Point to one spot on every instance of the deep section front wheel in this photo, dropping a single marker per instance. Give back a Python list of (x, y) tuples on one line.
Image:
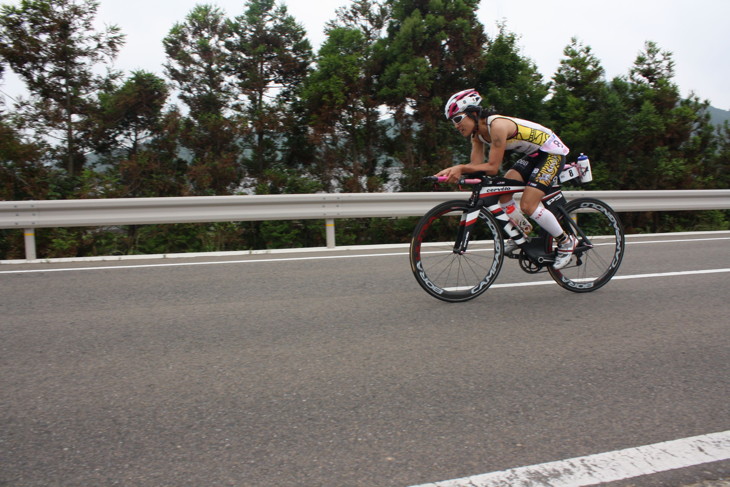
[(600, 247), (456, 252)]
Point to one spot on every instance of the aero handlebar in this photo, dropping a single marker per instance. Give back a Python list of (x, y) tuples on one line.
[(443, 179)]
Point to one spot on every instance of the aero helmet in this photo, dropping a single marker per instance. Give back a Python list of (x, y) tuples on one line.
[(460, 101)]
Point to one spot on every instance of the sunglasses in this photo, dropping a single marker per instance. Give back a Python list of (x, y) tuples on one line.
[(458, 118)]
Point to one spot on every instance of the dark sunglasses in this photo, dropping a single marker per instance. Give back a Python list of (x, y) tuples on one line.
[(458, 118)]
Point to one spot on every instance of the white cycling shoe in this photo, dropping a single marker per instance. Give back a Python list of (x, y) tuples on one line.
[(565, 252)]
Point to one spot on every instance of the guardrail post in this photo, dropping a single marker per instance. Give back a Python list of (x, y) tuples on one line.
[(330, 232), (29, 234)]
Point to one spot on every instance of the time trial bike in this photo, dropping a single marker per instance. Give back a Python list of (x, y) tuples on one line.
[(457, 248)]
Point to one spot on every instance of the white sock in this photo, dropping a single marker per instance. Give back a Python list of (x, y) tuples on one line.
[(547, 220)]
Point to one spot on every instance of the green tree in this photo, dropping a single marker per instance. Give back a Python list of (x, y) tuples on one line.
[(54, 48), (719, 169), (270, 58), (666, 142), (432, 48), (138, 139), (509, 82), (578, 90), (340, 95), (130, 114), (197, 61), (198, 64), (660, 124), (22, 172), (589, 117)]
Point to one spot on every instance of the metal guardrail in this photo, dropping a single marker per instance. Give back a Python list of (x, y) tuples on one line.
[(29, 215)]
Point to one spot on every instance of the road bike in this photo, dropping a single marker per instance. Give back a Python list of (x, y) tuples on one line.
[(457, 248)]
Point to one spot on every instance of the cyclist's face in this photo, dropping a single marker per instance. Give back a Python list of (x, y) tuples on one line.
[(463, 124)]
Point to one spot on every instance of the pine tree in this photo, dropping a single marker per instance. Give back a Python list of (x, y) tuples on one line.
[(129, 114), (580, 105), (137, 139), (270, 58), (53, 47), (22, 172), (658, 125), (198, 64), (510, 82), (433, 48), (340, 96)]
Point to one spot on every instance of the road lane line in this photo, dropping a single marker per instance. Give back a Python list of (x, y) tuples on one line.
[(296, 259), (618, 278), (606, 467), (291, 259)]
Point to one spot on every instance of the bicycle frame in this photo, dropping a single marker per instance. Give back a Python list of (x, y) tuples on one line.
[(465, 239), (485, 194)]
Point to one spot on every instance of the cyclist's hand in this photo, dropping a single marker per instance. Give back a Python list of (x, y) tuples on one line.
[(452, 173)]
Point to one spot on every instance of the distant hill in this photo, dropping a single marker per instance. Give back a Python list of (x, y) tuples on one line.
[(719, 116)]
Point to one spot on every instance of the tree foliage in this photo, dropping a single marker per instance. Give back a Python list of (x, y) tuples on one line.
[(198, 66), (260, 113), (509, 81), (270, 58), (53, 47), (341, 97), (431, 47)]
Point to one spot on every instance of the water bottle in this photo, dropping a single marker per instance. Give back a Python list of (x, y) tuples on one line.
[(518, 219), (584, 164)]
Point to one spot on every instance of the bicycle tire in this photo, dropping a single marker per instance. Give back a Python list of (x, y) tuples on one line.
[(590, 269), (448, 275)]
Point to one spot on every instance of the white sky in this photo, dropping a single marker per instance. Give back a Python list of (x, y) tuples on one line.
[(695, 32)]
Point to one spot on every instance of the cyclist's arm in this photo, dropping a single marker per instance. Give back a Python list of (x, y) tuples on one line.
[(499, 132)]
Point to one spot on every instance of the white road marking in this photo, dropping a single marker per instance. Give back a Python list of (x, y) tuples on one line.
[(295, 259), (618, 278), (629, 242), (606, 467)]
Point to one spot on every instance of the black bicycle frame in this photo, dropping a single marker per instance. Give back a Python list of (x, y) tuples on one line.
[(555, 202)]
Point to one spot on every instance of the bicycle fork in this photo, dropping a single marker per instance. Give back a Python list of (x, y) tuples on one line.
[(468, 218)]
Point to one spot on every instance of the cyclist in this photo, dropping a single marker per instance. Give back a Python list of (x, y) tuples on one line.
[(544, 159)]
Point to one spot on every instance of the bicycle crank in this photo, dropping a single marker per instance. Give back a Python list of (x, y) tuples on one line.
[(528, 265)]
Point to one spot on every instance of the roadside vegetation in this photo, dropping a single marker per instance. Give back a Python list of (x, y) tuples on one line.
[(243, 105)]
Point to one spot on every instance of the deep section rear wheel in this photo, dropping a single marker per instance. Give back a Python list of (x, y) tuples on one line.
[(449, 274), (591, 266)]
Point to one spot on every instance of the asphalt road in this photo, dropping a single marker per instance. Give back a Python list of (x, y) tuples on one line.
[(336, 369)]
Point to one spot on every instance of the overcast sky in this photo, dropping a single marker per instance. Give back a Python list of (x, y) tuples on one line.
[(695, 32)]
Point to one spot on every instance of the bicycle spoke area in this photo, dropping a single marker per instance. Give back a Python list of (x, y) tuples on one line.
[(448, 266), (591, 267)]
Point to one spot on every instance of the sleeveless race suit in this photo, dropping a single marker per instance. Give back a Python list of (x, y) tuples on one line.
[(545, 152)]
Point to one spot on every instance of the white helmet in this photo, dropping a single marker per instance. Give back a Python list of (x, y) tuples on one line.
[(460, 101)]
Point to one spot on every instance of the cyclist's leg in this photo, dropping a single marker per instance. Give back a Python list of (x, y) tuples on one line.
[(520, 171), (530, 205), (547, 167)]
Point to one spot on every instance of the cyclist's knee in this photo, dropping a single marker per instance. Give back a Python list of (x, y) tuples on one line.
[(528, 209), (530, 200), (514, 174)]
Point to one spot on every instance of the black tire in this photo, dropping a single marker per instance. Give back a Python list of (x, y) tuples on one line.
[(591, 268), (453, 276)]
